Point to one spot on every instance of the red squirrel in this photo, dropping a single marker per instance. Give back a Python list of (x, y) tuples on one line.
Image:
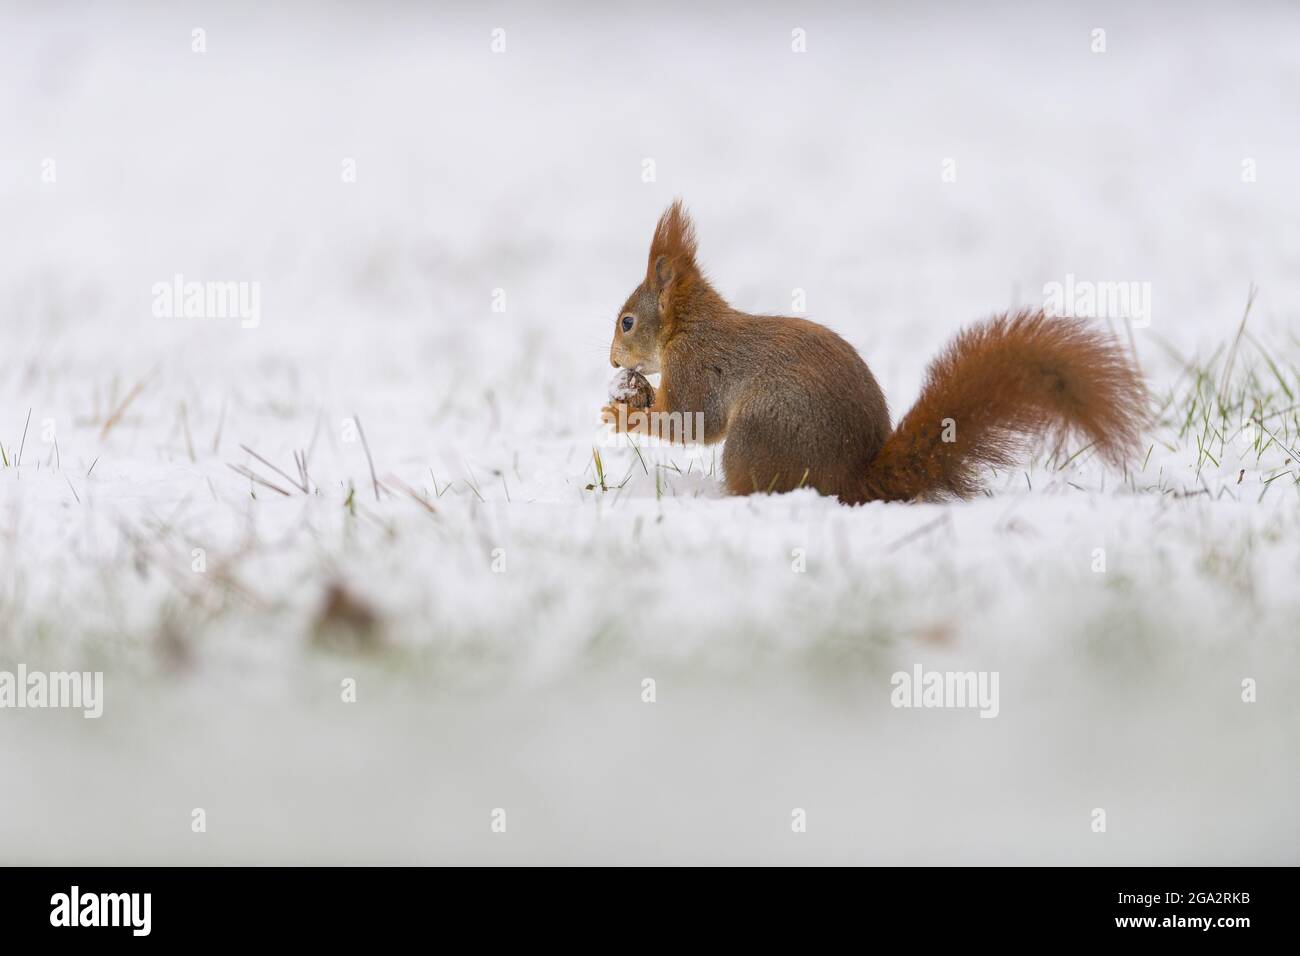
[(798, 407)]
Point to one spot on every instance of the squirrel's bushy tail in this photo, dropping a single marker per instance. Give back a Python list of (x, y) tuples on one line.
[(999, 385)]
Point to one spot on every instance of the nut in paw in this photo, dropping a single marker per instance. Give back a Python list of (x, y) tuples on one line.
[(629, 387)]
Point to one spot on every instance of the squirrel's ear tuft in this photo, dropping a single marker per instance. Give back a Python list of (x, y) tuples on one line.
[(672, 252)]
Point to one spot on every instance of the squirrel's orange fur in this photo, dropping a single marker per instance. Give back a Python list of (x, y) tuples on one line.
[(799, 407)]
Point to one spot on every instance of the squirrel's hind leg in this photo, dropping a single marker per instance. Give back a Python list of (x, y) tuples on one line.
[(759, 459), (782, 442)]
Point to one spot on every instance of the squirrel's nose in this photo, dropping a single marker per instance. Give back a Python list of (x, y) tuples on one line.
[(613, 362)]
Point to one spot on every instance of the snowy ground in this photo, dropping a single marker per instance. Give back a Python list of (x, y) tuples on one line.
[(502, 615)]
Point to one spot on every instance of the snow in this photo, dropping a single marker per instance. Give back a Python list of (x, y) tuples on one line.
[(518, 605)]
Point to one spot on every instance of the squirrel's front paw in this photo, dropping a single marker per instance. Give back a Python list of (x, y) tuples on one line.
[(615, 415), (626, 420)]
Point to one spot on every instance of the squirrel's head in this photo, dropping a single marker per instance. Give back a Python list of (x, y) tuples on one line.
[(646, 321)]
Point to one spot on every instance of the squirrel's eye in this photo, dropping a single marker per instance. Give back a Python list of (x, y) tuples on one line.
[(628, 322)]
